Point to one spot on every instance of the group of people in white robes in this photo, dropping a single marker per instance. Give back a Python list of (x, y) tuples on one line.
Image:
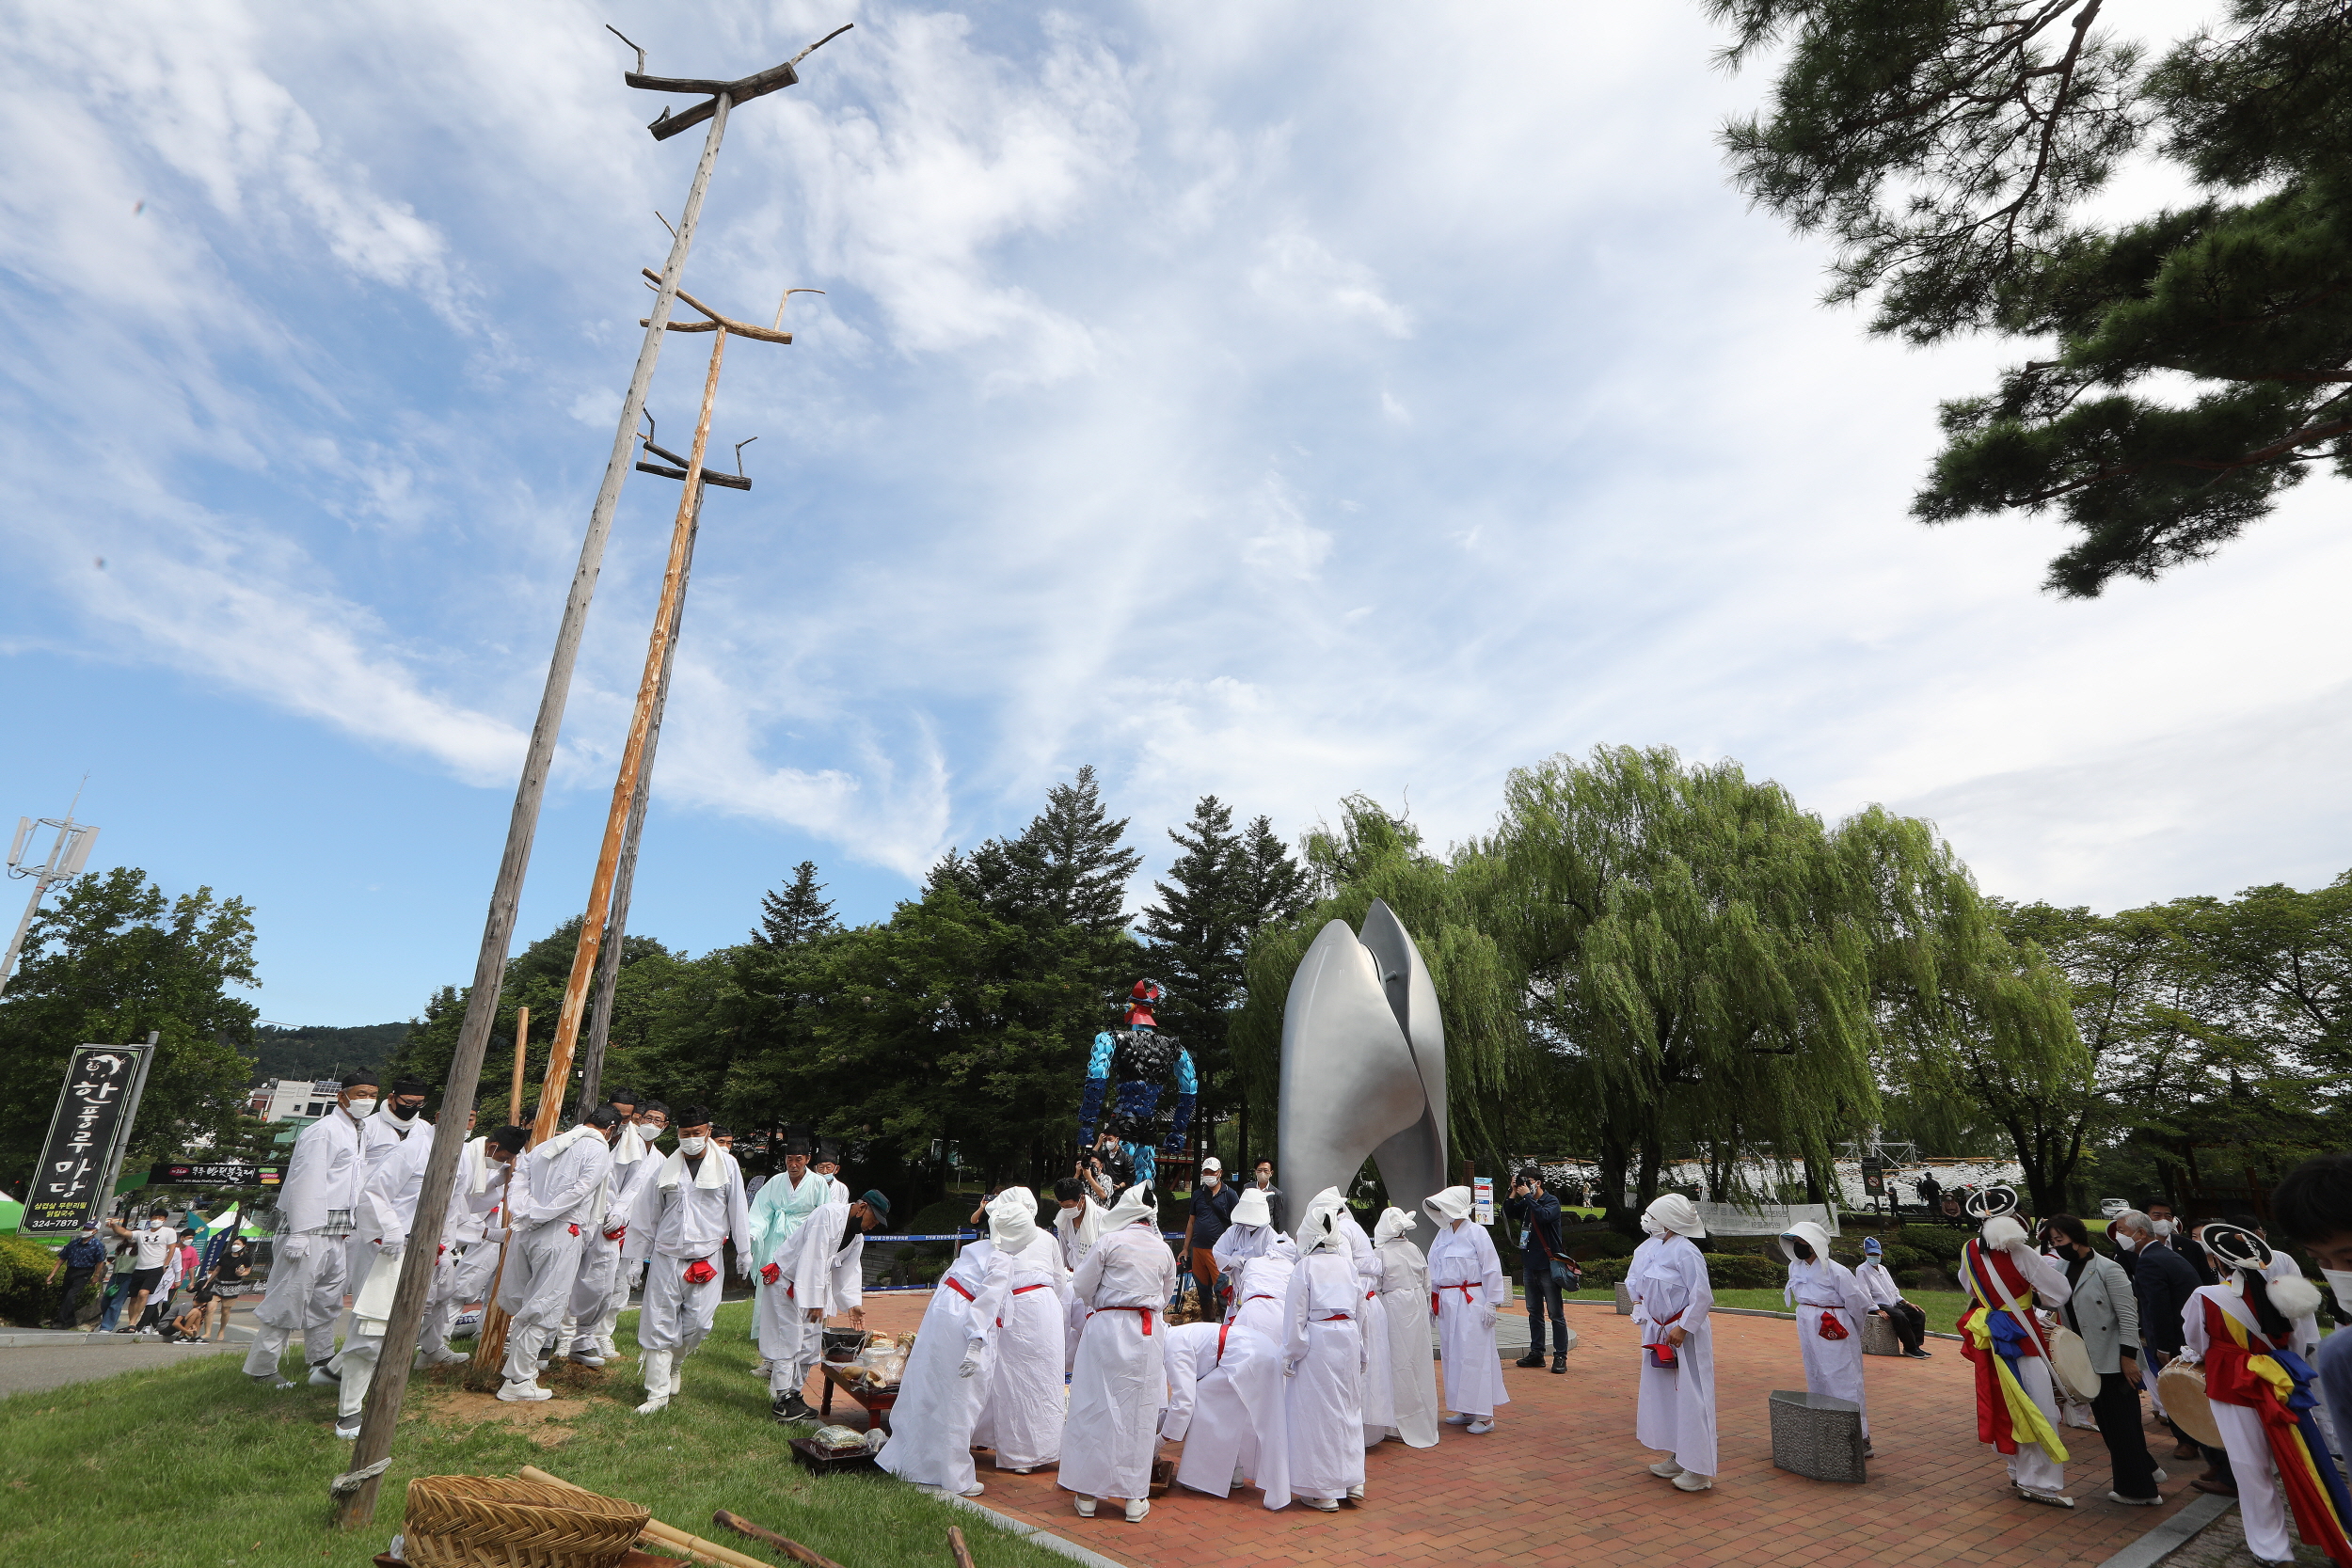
[(1324, 1353)]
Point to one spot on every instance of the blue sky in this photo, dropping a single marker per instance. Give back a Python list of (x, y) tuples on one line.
[(1272, 401)]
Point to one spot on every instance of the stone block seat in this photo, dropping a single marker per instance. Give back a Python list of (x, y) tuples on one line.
[(1816, 1436), (1878, 1337)]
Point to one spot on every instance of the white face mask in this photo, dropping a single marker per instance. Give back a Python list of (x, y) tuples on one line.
[(2129, 1244), (2340, 1281), (2162, 1228), (692, 1146), (359, 1110)]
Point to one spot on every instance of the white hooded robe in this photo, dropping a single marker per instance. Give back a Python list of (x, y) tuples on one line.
[(1322, 1397), (1238, 1422), (931, 1423), (1667, 1280), (1404, 1297), (1120, 1377)]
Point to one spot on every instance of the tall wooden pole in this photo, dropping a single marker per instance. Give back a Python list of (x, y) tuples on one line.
[(624, 880), (354, 1491), (522, 1043), (632, 764)]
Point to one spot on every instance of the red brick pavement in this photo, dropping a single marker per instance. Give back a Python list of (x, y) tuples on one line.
[(1562, 1480)]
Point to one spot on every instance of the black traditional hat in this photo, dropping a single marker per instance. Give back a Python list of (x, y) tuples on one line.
[(1987, 1203), (2235, 1245)]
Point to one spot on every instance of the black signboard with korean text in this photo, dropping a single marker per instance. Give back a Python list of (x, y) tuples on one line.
[(215, 1173), (75, 1182)]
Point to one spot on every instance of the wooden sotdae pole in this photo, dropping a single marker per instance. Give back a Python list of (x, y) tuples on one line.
[(632, 762), (522, 1043), (354, 1491)]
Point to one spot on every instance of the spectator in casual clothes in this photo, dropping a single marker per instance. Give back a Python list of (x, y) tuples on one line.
[(1908, 1321), (78, 1260), (1212, 1211), (154, 1248), (1262, 1178), (2104, 1311), (2163, 1282), (1538, 1212), (227, 1282)]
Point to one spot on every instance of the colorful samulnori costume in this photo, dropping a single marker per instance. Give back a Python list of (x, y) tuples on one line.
[(2016, 1408), (2263, 1402)]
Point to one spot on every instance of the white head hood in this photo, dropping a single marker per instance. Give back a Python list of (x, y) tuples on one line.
[(1252, 1209), (1812, 1235), (2002, 1232), (1448, 1206), (1319, 1207), (1394, 1224), (1319, 1231), (1134, 1204), (1674, 1212), (1013, 1219)]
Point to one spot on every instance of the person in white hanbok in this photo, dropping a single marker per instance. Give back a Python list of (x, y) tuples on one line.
[(387, 1208), (819, 1275), (942, 1389), (1377, 1394), (1116, 1384), (380, 1137), (315, 1204), (475, 1233), (1324, 1358), (1077, 1223), (1468, 1291), (1191, 1356), (1404, 1296), (1671, 1298), (1021, 1417), (692, 1205), (606, 1262), (558, 1188), (1831, 1305), (783, 1205), (1237, 1432)]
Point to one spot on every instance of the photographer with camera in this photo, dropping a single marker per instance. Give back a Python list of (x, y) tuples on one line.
[(1545, 1267)]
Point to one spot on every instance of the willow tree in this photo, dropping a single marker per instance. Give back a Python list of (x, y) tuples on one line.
[(1368, 855)]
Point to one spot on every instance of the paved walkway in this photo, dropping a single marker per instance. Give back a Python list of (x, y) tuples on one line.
[(1561, 1481)]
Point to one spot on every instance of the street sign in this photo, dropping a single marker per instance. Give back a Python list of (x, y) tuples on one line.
[(217, 1173), (75, 1182), (1482, 1200)]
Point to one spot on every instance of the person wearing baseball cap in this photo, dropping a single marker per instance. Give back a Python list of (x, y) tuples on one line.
[(1908, 1321)]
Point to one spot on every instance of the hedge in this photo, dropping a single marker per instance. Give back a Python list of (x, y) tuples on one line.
[(26, 1298)]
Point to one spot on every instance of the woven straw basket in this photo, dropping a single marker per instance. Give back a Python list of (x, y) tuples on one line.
[(467, 1521)]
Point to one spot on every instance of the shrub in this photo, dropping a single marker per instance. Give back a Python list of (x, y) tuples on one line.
[(1941, 1243), (1606, 1273), (1745, 1271), (26, 1298), (1600, 1244)]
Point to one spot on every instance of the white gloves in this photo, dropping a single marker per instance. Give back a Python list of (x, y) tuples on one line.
[(391, 1247), (1486, 1317), (971, 1362), (1289, 1368)]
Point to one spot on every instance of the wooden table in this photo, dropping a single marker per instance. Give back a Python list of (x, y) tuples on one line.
[(874, 1400)]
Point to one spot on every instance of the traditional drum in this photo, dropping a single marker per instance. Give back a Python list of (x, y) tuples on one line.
[(2070, 1363), (2181, 1386)]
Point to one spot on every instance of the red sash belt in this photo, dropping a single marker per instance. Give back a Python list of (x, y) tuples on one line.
[(1149, 1313), (1018, 1291), (1262, 1296), (1337, 1318), (957, 1287), (1462, 1287), (1662, 1352), (1223, 1330)]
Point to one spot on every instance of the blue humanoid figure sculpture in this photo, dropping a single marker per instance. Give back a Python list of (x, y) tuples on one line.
[(1127, 1068)]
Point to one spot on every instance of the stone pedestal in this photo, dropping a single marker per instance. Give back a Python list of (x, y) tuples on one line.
[(1878, 1337), (1816, 1436), (1625, 1302)]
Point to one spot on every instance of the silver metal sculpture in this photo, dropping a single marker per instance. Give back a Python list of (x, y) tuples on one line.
[(1363, 1064)]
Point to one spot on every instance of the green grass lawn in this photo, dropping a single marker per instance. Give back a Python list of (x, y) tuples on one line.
[(197, 1466)]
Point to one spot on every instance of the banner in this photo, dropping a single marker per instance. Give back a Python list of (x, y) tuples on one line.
[(1482, 1200), (215, 1173), (75, 1182)]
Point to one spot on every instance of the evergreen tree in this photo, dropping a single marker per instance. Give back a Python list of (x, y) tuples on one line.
[(797, 914), (1951, 151), (1199, 931), (1066, 868), (1276, 886)]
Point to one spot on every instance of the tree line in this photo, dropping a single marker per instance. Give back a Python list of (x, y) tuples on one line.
[(1646, 961)]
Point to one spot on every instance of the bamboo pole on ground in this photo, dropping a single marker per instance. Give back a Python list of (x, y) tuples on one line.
[(669, 1537), (522, 1041)]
